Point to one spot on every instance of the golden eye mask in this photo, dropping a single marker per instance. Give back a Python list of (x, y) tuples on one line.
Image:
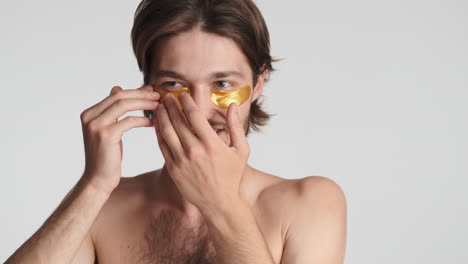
[(219, 97), (175, 93), (224, 98)]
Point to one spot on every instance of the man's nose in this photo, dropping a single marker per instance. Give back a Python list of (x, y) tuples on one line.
[(202, 97)]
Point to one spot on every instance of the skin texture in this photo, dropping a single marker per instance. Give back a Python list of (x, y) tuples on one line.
[(208, 206), (284, 209)]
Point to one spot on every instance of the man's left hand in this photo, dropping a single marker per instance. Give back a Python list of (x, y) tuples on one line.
[(204, 168)]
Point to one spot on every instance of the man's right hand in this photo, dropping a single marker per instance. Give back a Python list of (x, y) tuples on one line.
[(102, 132), (66, 236)]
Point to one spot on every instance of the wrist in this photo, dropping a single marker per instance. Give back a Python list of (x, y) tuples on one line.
[(221, 215), (91, 184)]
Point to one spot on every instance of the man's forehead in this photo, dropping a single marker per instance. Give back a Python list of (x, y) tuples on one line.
[(204, 53)]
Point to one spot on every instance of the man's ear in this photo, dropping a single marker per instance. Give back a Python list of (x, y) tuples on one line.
[(258, 89)]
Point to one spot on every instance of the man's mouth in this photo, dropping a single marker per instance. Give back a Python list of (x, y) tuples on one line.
[(219, 131)]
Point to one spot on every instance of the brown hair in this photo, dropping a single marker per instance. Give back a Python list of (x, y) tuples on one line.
[(239, 20)]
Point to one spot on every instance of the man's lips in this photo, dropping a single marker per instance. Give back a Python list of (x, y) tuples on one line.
[(218, 131)]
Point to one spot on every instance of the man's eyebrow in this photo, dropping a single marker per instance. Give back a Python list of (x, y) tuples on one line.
[(224, 74), (213, 75), (171, 74)]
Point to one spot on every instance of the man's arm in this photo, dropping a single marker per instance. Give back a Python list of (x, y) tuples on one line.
[(317, 233), (237, 237), (63, 233), (66, 231)]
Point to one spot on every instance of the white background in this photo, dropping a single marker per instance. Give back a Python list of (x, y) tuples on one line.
[(371, 94)]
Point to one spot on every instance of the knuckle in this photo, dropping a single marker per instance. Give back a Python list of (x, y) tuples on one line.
[(211, 147), (193, 152), (119, 93), (102, 134), (84, 116), (121, 103), (92, 127), (115, 89)]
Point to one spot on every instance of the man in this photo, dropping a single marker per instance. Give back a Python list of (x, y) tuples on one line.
[(206, 204)]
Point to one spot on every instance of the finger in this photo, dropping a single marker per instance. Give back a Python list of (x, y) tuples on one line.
[(165, 150), (200, 125), (129, 122), (122, 106), (179, 122), (145, 92), (168, 133), (114, 90), (236, 129)]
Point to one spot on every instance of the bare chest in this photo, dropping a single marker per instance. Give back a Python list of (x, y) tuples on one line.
[(171, 240), (166, 239)]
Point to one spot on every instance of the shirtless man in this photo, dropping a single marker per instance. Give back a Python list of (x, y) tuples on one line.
[(206, 204)]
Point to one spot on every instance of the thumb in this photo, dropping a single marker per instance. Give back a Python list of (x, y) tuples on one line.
[(236, 128)]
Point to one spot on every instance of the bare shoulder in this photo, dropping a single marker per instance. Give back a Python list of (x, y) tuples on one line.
[(316, 199), (301, 192), (126, 198), (129, 191), (319, 188), (315, 226), (312, 196)]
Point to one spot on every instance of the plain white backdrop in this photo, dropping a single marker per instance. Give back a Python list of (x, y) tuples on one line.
[(371, 94)]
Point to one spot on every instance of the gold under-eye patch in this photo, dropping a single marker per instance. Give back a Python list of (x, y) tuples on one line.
[(219, 97), (224, 98), (175, 93)]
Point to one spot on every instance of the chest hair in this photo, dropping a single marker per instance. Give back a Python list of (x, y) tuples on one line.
[(169, 240)]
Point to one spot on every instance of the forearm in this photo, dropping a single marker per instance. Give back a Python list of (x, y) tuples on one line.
[(237, 238), (59, 238)]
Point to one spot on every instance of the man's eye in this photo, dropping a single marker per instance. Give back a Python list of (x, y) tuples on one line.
[(172, 83), (222, 84)]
